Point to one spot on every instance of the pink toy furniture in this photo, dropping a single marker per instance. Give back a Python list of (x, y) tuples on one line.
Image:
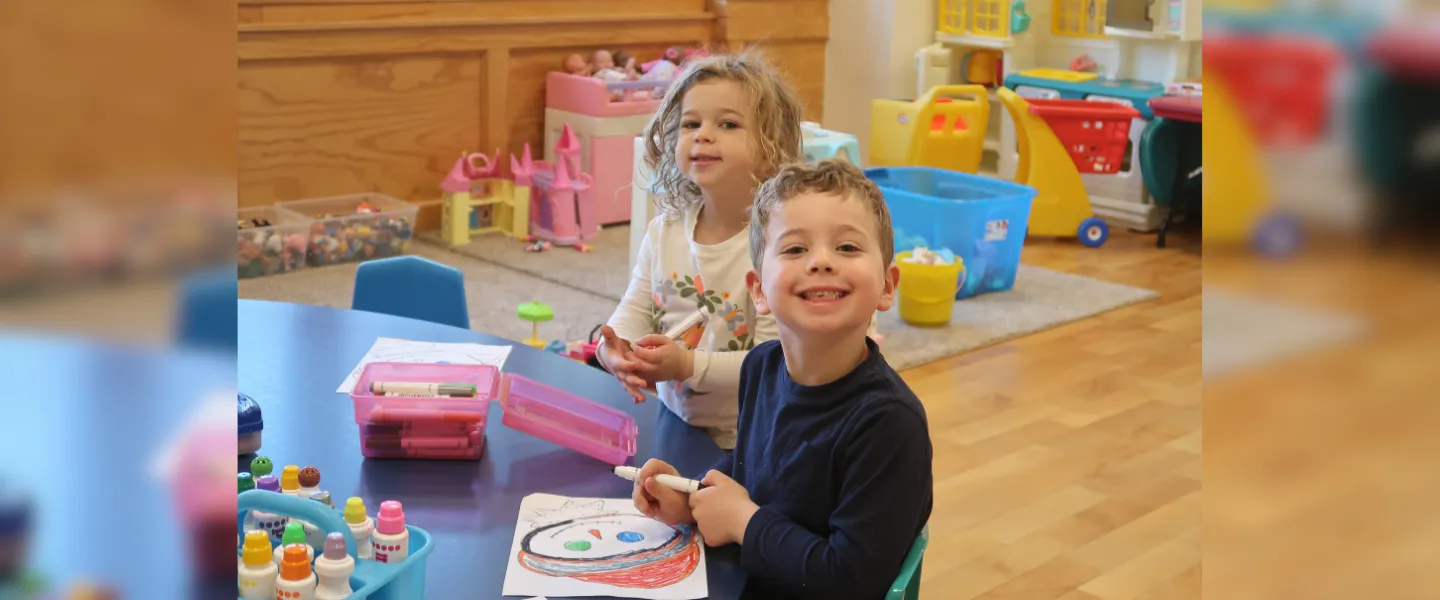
[(605, 128), (562, 197)]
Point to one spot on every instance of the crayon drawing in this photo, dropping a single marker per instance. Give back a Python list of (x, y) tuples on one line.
[(602, 547)]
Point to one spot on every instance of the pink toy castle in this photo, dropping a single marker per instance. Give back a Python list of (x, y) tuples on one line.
[(555, 202)]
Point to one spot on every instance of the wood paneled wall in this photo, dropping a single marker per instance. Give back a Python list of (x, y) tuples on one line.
[(339, 97)]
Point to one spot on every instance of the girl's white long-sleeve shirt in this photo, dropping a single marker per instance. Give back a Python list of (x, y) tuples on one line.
[(675, 276)]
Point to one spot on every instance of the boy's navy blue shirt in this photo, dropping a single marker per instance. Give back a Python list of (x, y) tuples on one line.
[(841, 473)]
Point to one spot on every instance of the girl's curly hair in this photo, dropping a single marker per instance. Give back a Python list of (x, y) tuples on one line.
[(775, 135)]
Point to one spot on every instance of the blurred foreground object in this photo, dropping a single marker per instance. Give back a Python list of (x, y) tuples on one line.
[(207, 312)]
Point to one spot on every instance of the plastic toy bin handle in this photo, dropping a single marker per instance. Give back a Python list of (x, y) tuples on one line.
[(319, 515)]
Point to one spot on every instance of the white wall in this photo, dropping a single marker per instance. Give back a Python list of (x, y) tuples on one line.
[(871, 54)]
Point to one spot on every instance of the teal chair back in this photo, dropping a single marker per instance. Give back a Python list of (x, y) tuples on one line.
[(414, 287), (207, 314), (907, 585)]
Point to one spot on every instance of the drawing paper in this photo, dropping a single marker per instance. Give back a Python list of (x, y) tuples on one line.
[(406, 351)]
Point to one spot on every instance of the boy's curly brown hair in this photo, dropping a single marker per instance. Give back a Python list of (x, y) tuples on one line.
[(829, 176), (775, 135)]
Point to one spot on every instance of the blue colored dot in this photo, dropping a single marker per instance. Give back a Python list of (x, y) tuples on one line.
[(629, 537)]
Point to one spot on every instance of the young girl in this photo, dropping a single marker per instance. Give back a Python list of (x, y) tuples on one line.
[(726, 125)]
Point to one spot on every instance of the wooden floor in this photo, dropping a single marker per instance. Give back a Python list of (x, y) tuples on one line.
[(1067, 463)]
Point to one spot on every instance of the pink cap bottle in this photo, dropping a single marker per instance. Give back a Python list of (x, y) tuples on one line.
[(391, 540)]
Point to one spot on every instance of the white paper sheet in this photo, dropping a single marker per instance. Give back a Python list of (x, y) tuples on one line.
[(566, 547), (407, 351)]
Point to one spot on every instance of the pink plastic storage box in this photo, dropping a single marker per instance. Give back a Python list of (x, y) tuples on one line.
[(369, 407), (411, 440), (553, 415), (591, 96)]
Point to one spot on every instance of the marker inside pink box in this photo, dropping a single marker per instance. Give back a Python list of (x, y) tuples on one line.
[(423, 390)]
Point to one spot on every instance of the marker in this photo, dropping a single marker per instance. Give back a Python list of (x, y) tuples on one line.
[(257, 570), (259, 519), (294, 536), (334, 568), (423, 390), (314, 536), (260, 466), (361, 526), (392, 539), (686, 324), (296, 582), (433, 427), (405, 443), (457, 453), (245, 482), (423, 416), (679, 484), (290, 481)]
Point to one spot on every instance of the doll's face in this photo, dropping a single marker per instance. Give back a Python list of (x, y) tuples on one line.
[(602, 60), (601, 538), (575, 64)]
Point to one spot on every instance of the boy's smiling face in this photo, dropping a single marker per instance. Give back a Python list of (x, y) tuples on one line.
[(823, 272)]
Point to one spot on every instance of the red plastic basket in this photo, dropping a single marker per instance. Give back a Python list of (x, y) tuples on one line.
[(1282, 83), (1093, 132)]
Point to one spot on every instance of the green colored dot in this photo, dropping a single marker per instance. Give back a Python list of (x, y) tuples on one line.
[(577, 545)]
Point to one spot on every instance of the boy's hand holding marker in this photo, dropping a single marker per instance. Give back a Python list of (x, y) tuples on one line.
[(717, 505)]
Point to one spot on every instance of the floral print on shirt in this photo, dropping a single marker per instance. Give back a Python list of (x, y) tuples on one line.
[(718, 306)]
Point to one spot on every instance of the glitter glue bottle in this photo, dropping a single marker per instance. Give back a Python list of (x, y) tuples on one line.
[(294, 535), (257, 570), (295, 582), (290, 481), (315, 536), (258, 519), (392, 539), (361, 526), (334, 568)]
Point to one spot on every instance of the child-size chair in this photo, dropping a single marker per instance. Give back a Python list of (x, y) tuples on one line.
[(207, 310), (907, 585), (414, 287)]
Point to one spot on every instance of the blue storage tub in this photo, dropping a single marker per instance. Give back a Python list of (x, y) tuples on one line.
[(981, 220), (371, 580)]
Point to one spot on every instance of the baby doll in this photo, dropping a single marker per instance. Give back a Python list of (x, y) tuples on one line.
[(576, 65), (603, 64)]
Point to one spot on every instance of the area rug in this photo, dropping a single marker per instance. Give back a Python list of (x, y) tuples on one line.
[(493, 292), (1244, 332), (1041, 299)]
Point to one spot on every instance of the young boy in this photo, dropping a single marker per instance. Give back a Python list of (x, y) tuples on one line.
[(830, 479)]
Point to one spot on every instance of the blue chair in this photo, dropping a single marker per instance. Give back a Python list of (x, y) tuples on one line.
[(207, 313), (907, 585), (414, 287)]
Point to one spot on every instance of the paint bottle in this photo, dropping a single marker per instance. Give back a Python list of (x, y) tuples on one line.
[(315, 536), (294, 535), (257, 570), (290, 481), (258, 519), (392, 539), (361, 526), (334, 568), (296, 582), (309, 479)]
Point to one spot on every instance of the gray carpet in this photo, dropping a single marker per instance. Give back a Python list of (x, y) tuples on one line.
[(584, 288), (1243, 332)]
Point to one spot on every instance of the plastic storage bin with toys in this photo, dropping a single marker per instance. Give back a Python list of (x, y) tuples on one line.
[(528, 406), (356, 227), (981, 220), (269, 241)]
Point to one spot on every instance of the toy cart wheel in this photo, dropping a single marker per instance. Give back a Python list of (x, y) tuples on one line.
[(1093, 232), (1277, 236)]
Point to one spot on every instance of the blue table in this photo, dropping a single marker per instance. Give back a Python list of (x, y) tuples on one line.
[(292, 357)]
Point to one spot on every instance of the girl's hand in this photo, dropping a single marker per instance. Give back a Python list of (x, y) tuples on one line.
[(722, 510), (617, 356), (659, 358), (657, 501)]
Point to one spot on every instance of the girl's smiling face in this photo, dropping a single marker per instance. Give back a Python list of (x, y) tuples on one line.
[(713, 148)]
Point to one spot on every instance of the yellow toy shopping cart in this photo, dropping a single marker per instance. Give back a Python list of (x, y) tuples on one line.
[(944, 129), (1057, 138)]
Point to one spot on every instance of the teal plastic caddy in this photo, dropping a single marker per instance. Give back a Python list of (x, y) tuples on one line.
[(371, 579)]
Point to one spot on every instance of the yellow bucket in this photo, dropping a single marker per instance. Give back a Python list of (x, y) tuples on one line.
[(927, 292)]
